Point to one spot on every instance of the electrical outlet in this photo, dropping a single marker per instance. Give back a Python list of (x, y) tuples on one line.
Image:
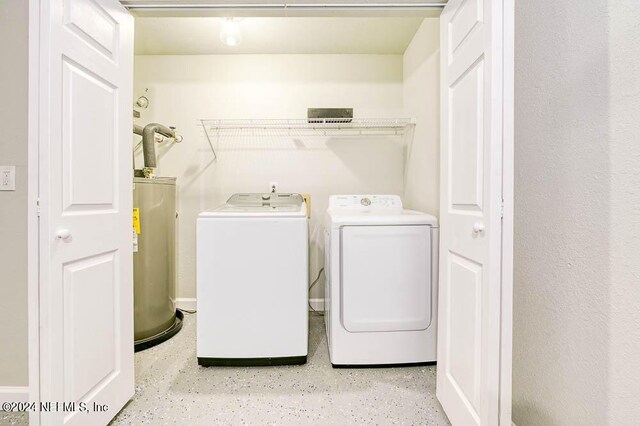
[(273, 186), (7, 178)]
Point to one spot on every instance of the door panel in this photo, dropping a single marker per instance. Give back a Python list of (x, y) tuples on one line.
[(90, 22), (88, 148), (90, 293), (470, 242), (463, 303), (86, 192), (386, 278), (466, 100), (464, 20)]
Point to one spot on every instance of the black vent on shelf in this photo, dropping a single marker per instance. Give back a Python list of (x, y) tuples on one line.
[(329, 115)]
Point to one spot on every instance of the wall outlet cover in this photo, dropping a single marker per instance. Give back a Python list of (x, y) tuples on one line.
[(7, 178)]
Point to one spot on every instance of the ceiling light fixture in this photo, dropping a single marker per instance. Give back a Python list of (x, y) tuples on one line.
[(230, 33)]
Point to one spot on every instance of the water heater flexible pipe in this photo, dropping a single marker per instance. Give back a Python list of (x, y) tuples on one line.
[(148, 141)]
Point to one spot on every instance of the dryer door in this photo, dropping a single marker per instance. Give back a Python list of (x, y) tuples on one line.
[(385, 278)]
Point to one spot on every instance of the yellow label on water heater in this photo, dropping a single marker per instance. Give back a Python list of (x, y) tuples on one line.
[(136, 220), (307, 200)]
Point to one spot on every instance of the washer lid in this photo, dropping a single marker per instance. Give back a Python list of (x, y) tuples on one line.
[(235, 211), (267, 198), (260, 205)]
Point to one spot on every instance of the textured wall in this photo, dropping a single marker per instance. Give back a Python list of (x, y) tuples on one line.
[(577, 245), (13, 205), (624, 153), (421, 71)]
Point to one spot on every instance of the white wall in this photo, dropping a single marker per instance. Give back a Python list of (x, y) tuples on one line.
[(13, 205), (421, 71), (577, 241), (624, 130), (183, 89)]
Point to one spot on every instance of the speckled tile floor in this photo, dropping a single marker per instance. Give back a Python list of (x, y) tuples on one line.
[(14, 419), (172, 389)]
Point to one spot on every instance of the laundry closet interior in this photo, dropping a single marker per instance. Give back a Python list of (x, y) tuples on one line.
[(241, 113)]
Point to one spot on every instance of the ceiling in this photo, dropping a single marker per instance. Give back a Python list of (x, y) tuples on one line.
[(310, 35)]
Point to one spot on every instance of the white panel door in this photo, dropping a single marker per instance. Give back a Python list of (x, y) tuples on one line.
[(471, 197), (86, 289)]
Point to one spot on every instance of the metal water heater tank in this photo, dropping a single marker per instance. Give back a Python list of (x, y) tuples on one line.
[(154, 262)]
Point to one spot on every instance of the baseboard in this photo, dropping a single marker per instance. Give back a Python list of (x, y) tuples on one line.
[(186, 303), (317, 304), (14, 394), (189, 304)]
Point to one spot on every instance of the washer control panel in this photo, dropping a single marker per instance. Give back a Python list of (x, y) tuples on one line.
[(365, 202), (265, 199)]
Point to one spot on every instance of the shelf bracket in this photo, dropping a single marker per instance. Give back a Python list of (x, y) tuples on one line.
[(204, 128)]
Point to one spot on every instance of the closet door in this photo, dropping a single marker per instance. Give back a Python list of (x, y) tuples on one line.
[(468, 383), (86, 279)]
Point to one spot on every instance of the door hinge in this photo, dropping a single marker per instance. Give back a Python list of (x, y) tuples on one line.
[(38, 207), (502, 209)]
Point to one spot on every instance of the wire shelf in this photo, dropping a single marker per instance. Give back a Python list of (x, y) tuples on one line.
[(396, 126), (215, 129)]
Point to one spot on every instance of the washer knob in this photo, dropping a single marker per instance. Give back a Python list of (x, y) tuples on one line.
[(266, 197), (365, 202)]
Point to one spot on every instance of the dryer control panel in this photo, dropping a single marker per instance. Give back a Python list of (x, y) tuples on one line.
[(365, 202)]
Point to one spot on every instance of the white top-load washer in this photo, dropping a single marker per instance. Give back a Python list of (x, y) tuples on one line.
[(381, 287), (252, 281)]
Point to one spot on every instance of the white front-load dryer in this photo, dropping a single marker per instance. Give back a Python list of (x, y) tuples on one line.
[(252, 273), (381, 286)]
